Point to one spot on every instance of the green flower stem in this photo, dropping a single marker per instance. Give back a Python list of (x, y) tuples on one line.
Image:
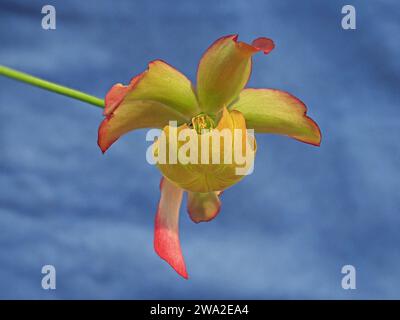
[(34, 81)]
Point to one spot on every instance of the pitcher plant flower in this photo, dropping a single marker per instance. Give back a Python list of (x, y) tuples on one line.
[(163, 98), (162, 94)]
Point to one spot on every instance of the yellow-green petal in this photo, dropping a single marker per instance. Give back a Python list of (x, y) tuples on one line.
[(275, 111), (224, 70), (151, 100), (133, 115)]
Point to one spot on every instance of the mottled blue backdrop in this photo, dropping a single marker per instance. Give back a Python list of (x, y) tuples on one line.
[(284, 232)]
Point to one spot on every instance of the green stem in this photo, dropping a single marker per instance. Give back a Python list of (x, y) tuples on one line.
[(34, 81)]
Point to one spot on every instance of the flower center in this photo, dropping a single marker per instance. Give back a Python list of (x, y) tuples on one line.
[(202, 121)]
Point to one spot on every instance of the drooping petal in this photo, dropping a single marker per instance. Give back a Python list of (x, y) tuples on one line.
[(224, 70), (203, 207), (275, 111), (166, 234), (153, 98)]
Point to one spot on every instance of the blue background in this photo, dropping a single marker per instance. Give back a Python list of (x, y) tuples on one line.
[(284, 232)]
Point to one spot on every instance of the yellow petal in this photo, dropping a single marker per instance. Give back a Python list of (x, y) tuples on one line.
[(153, 98), (275, 111), (225, 69)]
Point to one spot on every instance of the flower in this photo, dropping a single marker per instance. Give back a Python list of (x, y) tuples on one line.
[(161, 94)]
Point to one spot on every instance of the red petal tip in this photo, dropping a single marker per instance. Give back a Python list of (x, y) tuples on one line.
[(167, 247), (101, 137), (263, 44), (166, 231)]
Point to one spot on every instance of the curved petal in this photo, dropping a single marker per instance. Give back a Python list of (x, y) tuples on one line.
[(225, 69), (133, 115), (203, 207), (166, 234), (152, 98), (275, 111)]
